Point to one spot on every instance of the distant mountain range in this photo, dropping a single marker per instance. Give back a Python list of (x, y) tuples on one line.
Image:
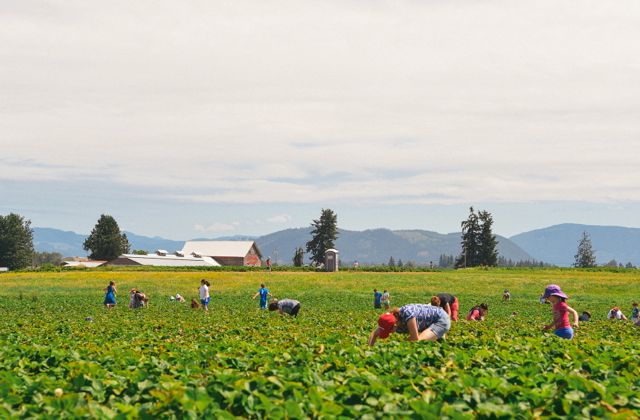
[(555, 244), (558, 244)]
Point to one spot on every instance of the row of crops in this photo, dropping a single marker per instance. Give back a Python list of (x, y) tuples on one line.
[(236, 361)]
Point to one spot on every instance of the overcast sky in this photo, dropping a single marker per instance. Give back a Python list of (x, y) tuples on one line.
[(208, 118)]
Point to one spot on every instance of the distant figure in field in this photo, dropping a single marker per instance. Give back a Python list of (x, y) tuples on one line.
[(506, 296), (285, 306), (137, 299), (478, 313), (585, 316), (560, 312), (616, 313), (635, 313), (267, 263), (204, 294), (179, 298), (356, 264), (450, 304), (377, 299), (421, 322), (386, 299), (110, 296), (263, 292), (194, 304)]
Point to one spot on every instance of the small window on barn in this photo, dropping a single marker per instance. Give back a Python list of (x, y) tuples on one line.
[(179, 254), (196, 254), (162, 252)]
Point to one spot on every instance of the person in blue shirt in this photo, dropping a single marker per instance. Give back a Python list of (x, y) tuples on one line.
[(377, 299), (264, 294), (110, 296)]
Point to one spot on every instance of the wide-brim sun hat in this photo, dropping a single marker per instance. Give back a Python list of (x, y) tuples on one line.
[(554, 290)]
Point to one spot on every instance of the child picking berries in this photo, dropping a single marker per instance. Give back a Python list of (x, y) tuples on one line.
[(562, 327)]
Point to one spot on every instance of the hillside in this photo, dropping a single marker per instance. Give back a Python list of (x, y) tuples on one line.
[(558, 244), (375, 246)]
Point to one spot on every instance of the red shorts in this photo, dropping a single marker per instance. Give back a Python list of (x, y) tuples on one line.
[(454, 309)]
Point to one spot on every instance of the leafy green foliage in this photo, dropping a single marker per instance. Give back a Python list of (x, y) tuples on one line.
[(237, 361), (16, 242), (105, 241), (298, 257)]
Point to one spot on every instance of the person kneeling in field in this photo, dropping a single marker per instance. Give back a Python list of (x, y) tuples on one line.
[(138, 299), (421, 322), (477, 313), (285, 306)]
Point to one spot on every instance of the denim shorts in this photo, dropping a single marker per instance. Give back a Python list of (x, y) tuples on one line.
[(566, 333), (205, 301), (441, 326)]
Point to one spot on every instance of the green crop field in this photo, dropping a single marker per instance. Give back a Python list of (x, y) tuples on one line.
[(172, 361)]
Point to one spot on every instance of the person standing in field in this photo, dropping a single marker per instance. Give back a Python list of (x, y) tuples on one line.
[(263, 292), (560, 309), (377, 298), (267, 263), (421, 322), (386, 299), (110, 296), (285, 306), (478, 313), (204, 294), (506, 296), (450, 304)]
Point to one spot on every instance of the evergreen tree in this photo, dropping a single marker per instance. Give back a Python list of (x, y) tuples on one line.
[(392, 262), (488, 254), (585, 258), (324, 233), (105, 241), (471, 232), (400, 264), (298, 257), (16, 242)]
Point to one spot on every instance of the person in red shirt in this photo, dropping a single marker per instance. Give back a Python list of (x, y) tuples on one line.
[(477, 313), (562, 327)]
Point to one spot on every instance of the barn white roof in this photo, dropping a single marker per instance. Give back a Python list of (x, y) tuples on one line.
[(171, 260), (218, 248)]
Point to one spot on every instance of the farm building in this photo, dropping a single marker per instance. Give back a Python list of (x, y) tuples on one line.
[(77, 262), (237, 253), (164, 259)]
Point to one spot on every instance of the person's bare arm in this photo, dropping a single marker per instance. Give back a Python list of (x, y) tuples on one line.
[(447, 309), (575, 316), (373, 337), (412, 326), (256, 295)]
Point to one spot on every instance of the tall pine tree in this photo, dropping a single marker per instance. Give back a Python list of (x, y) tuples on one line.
[(105, 241), (585, 257), (324, 234), (488, 243), (471, 231)]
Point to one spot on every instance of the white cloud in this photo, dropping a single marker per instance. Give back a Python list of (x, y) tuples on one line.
[(306, 102), (280, 218)]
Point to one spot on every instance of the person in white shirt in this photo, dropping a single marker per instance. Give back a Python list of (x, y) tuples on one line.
[(204, 294), (616, 313)]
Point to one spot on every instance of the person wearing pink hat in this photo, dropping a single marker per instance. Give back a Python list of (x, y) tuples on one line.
[(421, 322), (561, 310)]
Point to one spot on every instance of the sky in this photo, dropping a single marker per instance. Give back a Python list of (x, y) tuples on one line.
[(217, 118)]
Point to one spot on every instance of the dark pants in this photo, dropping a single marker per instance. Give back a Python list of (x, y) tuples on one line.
[(295, 310)]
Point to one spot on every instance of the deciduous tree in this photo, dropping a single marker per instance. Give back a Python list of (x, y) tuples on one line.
[(16, 242), (105, 241)]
